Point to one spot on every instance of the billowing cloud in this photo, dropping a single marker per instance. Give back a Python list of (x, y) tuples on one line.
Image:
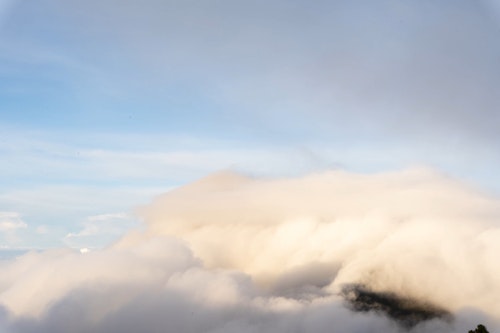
[(379, 229), (334, 251)]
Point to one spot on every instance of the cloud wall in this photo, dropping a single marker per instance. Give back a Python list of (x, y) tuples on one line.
[(231, 253), (405, 232)]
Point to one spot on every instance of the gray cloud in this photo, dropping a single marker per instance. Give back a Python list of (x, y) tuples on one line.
[(415, 69)]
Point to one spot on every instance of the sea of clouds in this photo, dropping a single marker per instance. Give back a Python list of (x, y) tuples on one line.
[(231, 253)]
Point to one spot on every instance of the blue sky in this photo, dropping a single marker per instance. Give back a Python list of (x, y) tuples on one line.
[(106, 104)]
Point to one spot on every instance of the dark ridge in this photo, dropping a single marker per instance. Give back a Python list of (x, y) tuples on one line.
[(405, 311)]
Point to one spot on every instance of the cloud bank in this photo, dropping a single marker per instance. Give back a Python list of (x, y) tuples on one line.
[(235, 254)]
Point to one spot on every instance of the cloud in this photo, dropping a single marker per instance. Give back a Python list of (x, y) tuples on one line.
[(119, 158), (336, 70), (10, 221), (11, 224), (380, 229), (99, 230), (231, 253), (386, 68), (80, 180), (402, 84)]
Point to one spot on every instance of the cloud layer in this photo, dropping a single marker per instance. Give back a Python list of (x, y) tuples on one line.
[(234, 254), (418, 70)]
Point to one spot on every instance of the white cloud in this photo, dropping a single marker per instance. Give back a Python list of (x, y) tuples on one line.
[(230, 253), (11, 224), (11, 221)]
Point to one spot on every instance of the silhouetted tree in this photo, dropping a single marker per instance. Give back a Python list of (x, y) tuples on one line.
[(480, 329)]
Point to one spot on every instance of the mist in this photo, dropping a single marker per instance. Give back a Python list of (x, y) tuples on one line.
[(412, 250)]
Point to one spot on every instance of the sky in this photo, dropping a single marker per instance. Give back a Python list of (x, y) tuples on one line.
[(106, 104), (249, 166)]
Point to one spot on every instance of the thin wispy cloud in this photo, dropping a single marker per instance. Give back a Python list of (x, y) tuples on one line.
[(99, 230)]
